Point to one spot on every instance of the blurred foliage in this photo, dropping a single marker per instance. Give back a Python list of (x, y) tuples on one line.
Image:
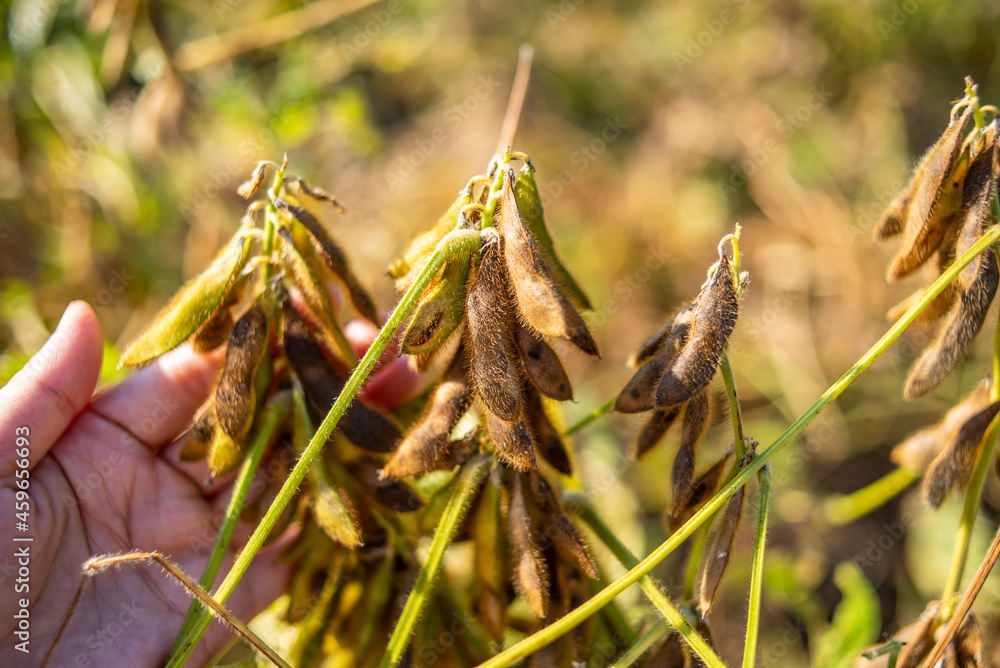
[(654, 127)]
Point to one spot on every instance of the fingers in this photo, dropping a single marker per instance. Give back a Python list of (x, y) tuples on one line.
[(159, 400), (53, 387), (394, 381)]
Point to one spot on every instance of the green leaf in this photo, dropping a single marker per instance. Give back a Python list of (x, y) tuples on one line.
[(856, 621)]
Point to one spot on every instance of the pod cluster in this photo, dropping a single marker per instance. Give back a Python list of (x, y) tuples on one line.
[(945, 209), (675, 367), (919, 638)]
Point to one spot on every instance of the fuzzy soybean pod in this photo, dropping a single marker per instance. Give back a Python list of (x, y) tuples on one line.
[(235, 398), (654, 430), (955, 461), (541, 364), (216, 330), (363, 426), (512, 440), (494, 374), (429, 439), (919, 449), (658, 353), (557, 527), (968, 644), (937, 198), (200, 435), (697, 416), (715, 559), (715, 313), (531, 577), (978, 282), (698, 492), (548, 440), (540, 301), (441, 309)]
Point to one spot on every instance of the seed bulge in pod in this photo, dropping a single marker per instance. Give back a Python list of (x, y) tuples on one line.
[(955, 461), (335, 260), (548, 440), (388, 492), (529, 203), (541, 364), (968, 644), (894, 218), (202, 432), (699, 492), (919, 450), (718, 550), (429, 439), (557, 527), (654, 430), (235, 397), (494, 373), (653, 344), (440, 310), (639, 394), (539, 299), (715, 314), (696, 420), (216, 330), (193, 304), (512, 440), (363, 426), (937, 198), (531, 578)]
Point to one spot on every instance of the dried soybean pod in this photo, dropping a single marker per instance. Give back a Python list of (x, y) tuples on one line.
[(388, 492), (715, 314), (699, 492), (541, 364), (193, 304), (918, 638), (718, 550), (363, 426), (955, 461), (488, 562), (919, 450), (654, 343), (548, 440), (494, 373), (894, 218), (335, 260), (531, 578), (977, 201), (968, 644), (529, 203), (405, 270), (670, 654), (215, 331), (696, 420), (937, 198), (440, 310), (654, 430), (639, 394), (539, 300), (512, 440), (429, 439), (557, 526), (202, 432), (235, 396)]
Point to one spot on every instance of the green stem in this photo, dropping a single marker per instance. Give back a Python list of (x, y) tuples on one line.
[(739, 438), (466, 483), (590, 417), (267, 247), (757, 573), (458, 240), (273, 414), (599, 600), (850, 507), (974, 492), (648, 639), (582, 508)]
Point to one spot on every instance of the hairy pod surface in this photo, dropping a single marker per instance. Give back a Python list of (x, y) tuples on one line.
[(937, 198), (557, 526), (235, 396), (968, 644), (429, 439), (441, 310), (193, 304), (700, 491), (654, 430), (531, 578), (200, 436), (894, 219), (363, 426), (529, 203), (541, 363), (654, 343), (659, 353), (540, 301), (389, 492), (548, 440), (216, 330), (715, 560), (715, 314), (695, 424), (334, 259), (955, 461), (512, 440), (494, 373), (919, 450), (335, 514)]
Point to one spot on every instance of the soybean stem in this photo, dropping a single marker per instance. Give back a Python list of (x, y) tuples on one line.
[(757, 572), (455, 241), (648, 639), (849, 507), (590, 417), (563, 625), (466, 483), (739, 439)]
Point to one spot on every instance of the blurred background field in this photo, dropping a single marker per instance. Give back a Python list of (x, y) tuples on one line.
[(125, 127)]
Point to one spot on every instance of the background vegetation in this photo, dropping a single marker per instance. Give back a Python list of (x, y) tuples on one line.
[(653, 126)]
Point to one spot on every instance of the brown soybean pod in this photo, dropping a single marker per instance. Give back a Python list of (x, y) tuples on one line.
[(548, 440), (968, 643), (234, 397), (715, 314), (654, 430), (216, 330), (919, 450), (557, 526), (639, 394), (512, 440), (715, 560), (696, 420), (540, 301), (199, 437), (955, 461), (494, 373), (654, 343), (541, 364), (894, 218), (531, 578), (699, 492)]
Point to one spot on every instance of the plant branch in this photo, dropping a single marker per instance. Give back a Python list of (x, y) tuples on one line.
[(757, 572), (850, 507), (648, 639), (590, 417)]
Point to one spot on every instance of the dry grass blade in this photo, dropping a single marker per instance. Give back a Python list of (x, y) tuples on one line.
[(955, 461), (541, 364), (531, 577)]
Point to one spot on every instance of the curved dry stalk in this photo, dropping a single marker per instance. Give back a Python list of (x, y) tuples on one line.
[(511, 118)]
